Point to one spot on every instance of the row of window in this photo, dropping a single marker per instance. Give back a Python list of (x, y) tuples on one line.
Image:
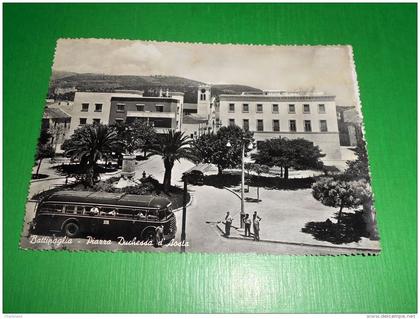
[(83, 121), (276, 125), (120, 107), (98, 107), (98, 211), (306, 108)]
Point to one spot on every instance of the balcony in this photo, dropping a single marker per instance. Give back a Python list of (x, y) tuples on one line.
[(151, 114)]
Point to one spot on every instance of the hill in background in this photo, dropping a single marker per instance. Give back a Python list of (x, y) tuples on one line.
[(149, 84)]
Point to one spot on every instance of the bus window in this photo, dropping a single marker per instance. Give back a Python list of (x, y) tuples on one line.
[(124, 212), (109, 211), (162, 213), (152, 215), (52, 208), (140, 214), (69, 209), (80, 210)]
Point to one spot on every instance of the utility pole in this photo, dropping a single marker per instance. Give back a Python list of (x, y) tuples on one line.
[(184, 213)]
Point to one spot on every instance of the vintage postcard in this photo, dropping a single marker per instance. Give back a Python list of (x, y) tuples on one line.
[(178, 147)]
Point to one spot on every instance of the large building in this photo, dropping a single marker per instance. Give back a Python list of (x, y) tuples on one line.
[(270, 114), (274, 114)]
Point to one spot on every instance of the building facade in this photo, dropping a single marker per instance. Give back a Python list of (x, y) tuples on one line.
[(275, 114), (92, 107), (57, 123), (163, 113)]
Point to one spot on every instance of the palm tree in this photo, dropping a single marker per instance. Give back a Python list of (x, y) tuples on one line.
[(90, 144), (172, 147)]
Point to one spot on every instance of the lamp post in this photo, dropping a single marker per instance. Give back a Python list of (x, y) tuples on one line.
[(249, 147), (184, 213)]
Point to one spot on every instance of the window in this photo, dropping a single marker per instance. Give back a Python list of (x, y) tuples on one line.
[(203, 96), (120, 107), (323, 126), (119, 120), (140, 107), (98, 107), (96, 121), (292, 125), (308, 127), (276, 125), (159, 108), (275, 108), (82, 121), (321, 108), (260, 125), (231, 122), (292, 108), (259, 108), (246, 125), (51, 208), (231, 107), (245, 108), (306, 108), (85, 107), (69, 209)]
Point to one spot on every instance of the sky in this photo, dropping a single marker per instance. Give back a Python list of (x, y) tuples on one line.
[(327, 69)]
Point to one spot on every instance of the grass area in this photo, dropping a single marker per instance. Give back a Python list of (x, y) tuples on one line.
[(268, 182), (351, 229), (70, 169)]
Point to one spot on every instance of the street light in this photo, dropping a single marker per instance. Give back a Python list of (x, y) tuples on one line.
[(184, 212), (249, 146)]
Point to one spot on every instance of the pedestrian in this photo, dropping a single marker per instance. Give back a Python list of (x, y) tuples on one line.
[(247, 223), (228, 224), (159, 236), (144, 174), (256, 220)]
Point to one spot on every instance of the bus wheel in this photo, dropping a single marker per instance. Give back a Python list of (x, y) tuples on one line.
[(148, 234), (71, 229)]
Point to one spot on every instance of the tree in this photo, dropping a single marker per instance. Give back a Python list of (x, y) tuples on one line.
[(89, 144), (359, 168), (44, 149), (135, 136), (296, 153), (341, 193), (259, 169), (213, 148), (172, 147)]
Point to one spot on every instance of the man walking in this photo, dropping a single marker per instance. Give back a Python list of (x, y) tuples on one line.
[(247, 223)]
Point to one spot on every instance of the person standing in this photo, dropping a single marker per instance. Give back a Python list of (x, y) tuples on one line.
[(256, 220), (247, 223), (228, 224)]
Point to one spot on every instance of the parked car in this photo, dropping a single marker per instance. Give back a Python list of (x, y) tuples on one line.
[(195, 177)]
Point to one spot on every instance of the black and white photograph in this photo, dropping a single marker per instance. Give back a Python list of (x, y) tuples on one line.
[(152, 146)]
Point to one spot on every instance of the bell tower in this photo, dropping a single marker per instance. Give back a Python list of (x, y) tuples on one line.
[(203, 101)]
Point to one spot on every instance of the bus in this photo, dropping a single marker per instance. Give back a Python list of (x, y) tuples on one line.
[(82, 213)]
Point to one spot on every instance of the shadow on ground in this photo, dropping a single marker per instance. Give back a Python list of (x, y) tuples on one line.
[(351, 229), (232, 180)]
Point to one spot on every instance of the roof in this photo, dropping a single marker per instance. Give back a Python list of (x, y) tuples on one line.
[(55, 113), (103, 198), (144, 98), (190, 106), (193, 119)]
